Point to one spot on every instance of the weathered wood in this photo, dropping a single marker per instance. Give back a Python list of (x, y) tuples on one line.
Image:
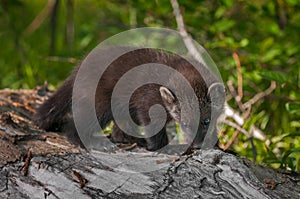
[(58, 169)]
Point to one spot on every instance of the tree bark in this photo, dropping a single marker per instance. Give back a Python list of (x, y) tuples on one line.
[(38, 164)]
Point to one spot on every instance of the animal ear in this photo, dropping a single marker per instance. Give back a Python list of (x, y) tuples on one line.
[(167, 96), (170, 102), (217, 92)]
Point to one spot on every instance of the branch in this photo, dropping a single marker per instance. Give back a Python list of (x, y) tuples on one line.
[(229, 112), (237, 127), (237, 98), (36, 23), (260, 95), (239, 74), (188, 41)]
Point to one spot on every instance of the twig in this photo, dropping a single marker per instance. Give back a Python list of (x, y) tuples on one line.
[(231, 88), (235, 95), (229, 143), (70, 23), (35, 24), (27, 162), (61, 59), (230, 112), (188, 41), (239, 74), (260, 95), (81, 179), (132, 146), (237, 127)]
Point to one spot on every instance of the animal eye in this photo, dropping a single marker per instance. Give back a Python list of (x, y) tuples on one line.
[(184, 124), (206, 121)]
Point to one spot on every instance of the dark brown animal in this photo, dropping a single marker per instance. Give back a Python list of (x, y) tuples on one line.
[(53, 115)]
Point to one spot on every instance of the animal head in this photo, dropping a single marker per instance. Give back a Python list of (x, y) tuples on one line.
[(210, 102)]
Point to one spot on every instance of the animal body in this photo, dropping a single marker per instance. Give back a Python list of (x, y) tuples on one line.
[(55, 114)]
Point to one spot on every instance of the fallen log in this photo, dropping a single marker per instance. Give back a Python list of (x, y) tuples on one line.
[(38, 164)]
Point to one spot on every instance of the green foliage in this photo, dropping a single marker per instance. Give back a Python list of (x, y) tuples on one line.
[(264, 34), (293, 107)]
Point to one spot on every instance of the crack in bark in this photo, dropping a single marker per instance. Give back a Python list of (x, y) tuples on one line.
[(6, 182), (46, 195), (118, 187), (168, 178)]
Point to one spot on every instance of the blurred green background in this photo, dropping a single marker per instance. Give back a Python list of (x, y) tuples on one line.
[(43, 40)]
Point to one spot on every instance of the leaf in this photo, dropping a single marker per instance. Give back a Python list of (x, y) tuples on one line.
[(288, 153), (244, 42), (277, 76), (266, 44), (291, 135), (271, 160), (271, 54), (293, 107), (223, 25)]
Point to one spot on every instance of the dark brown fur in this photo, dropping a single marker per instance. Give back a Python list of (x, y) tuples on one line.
[(53, 115)]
